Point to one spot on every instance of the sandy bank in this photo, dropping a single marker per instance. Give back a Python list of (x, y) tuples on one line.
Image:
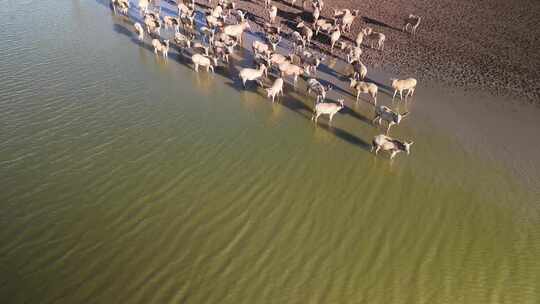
[(487, 45), (492, 127)]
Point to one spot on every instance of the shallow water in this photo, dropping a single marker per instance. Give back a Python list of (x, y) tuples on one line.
[(127, 178)]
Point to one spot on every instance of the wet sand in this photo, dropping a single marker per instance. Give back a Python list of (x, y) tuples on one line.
[(474, 45), (468, 88), (497, 128)]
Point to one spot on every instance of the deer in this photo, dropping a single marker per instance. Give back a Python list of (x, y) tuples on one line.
[(275, 89), (252, 74), (327, 108), (387, 143), (408, 84), (389, 116), (201, 60), (315, 86)]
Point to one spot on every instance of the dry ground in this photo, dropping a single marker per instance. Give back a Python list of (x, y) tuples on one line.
[(483, 44)]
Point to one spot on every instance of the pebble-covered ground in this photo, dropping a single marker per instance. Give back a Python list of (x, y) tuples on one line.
[(491, 45)]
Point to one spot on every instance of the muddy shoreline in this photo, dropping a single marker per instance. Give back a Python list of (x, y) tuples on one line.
[(490, 46), (496, 128)]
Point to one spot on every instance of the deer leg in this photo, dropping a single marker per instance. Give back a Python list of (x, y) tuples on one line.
[(395, 92), (388, 127)]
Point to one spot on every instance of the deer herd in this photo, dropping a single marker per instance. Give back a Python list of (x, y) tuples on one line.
[(208, 44)]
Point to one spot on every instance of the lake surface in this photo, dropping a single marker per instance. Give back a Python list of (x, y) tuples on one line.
[(127, 178)]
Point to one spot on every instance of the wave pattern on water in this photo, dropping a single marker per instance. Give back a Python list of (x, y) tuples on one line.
[(128, 179)]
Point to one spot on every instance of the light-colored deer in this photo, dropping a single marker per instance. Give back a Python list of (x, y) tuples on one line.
[(327, 108), (252, 74), (276, 89)]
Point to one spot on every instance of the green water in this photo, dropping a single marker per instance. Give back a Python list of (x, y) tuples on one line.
[(126, 178)]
